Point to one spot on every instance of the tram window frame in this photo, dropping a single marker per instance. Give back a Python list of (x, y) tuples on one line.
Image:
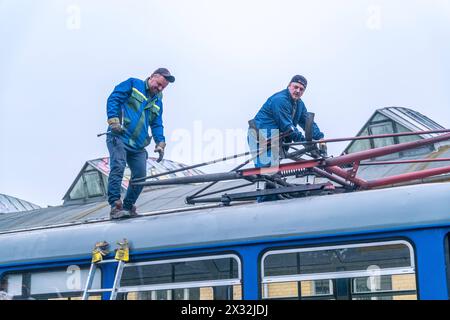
[(27, 289), (338, 279), (225, 287)]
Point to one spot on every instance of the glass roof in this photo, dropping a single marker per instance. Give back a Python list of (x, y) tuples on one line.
[(12, 204), (394, 120), (411, 119)]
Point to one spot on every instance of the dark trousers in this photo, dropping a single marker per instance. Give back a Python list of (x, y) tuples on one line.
[(119, 156)]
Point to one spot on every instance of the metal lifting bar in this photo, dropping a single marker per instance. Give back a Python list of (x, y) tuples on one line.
[(294, 154), (320, 165), (325, 167), (267, 142), (377, 136), (378, 152)]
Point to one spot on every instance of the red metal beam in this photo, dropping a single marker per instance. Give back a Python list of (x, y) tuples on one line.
[(373, 153), (332, 177), (375, 136), (376, 163), (347, 176), (407, 177), (387, 135)]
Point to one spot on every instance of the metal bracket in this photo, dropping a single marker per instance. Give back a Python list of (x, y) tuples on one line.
[(352, 172)]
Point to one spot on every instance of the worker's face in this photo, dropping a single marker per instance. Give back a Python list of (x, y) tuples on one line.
[(157, 83), (296, 90)]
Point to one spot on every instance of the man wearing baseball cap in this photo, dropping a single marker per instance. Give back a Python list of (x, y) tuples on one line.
[(134, 107), (281, 114)]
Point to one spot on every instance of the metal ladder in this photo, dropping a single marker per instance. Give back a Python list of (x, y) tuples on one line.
[(121, 257), (113, 290)]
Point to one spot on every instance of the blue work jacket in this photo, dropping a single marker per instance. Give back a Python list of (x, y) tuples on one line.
[(278, 113), (131, 103)]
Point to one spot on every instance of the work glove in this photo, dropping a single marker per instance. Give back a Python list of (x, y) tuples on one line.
[(160, 149), (115, 126), (322, 149)]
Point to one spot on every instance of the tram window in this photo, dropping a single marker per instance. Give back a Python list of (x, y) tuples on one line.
[(10, 286), (205, 293), (200, 278), (48, 285), (358, 271), (307, 290), (392, 287)]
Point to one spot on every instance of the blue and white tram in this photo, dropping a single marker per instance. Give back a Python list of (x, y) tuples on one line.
[(381, 244)]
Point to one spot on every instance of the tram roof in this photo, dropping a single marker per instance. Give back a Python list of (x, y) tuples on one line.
[(416, 206)]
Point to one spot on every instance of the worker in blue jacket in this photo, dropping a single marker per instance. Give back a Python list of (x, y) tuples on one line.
[(132, 108), (282, 113)]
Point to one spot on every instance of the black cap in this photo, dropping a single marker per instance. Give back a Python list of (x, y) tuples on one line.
[(166, 74), (299, 79)]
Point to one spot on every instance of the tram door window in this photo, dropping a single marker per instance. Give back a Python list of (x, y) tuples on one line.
[(62, 284), (198, 278), (383, 270)]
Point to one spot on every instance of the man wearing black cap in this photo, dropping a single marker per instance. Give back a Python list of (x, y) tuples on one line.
[(132, 108), (281, 114)]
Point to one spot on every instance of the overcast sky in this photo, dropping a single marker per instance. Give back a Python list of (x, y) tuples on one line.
[(60, 60)]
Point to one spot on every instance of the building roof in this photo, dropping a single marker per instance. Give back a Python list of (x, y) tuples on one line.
[(411, 119), (151, 201), (9, 204), (398, 120), (90, 185), (394, 120)]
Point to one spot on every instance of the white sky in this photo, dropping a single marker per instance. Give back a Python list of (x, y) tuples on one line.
[(60, 60)]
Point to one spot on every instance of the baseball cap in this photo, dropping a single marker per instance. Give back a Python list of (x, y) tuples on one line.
[(166, 74)]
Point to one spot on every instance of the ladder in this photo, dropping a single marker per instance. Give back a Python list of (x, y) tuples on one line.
[(121, 257), (88, 288)]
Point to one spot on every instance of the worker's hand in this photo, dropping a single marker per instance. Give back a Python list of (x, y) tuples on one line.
[(115, 125), (116, 128), (297, 136), (322, 148), (160, 149)]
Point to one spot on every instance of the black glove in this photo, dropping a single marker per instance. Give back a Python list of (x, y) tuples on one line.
[(160, 149), (297, 136)]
